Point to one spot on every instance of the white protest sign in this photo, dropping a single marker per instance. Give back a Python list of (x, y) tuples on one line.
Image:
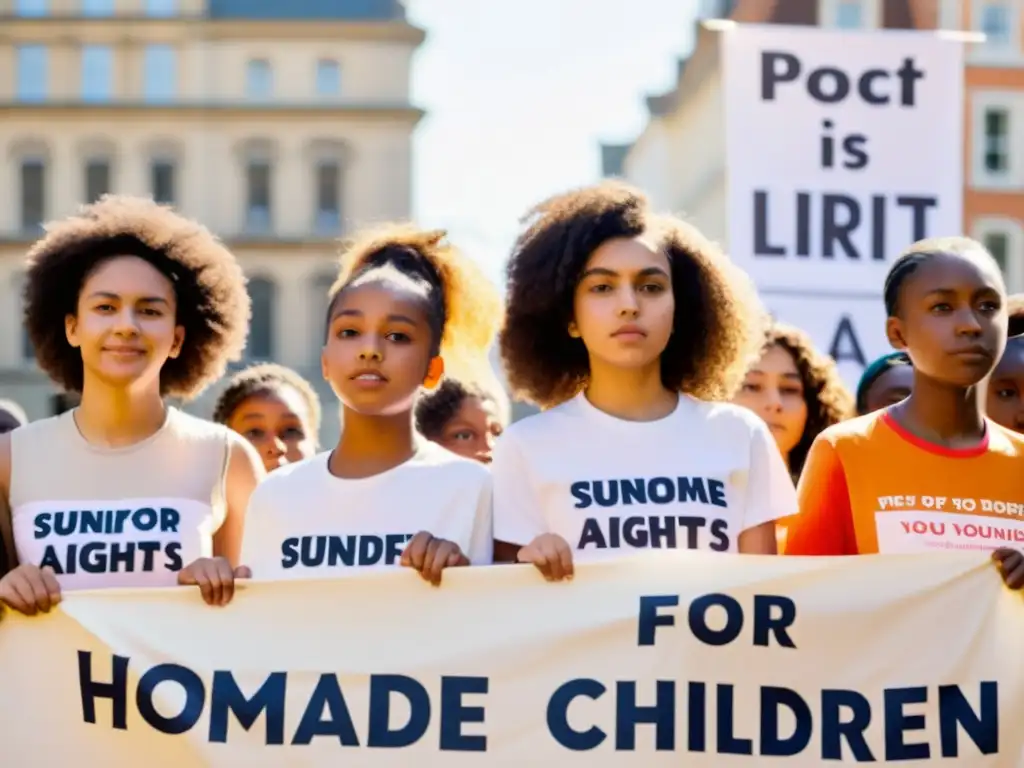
[(842, 149)]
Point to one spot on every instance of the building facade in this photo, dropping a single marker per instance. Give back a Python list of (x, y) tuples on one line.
[(280, 124), (679, 157)]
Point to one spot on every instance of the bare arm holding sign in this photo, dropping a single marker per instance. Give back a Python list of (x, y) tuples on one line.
[(26, 588), (215, 576)]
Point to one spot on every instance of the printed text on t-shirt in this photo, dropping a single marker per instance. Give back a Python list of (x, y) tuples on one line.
[(115, 555), (343, 551), (642, 531)]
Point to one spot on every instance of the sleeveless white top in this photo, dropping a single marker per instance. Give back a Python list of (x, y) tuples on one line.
[(117, 517)]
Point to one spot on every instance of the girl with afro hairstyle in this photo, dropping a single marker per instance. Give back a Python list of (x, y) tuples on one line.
[(797, 391), (127, 303), (405, 304), (624, 325), (275, 409), (465, 418), (928, 473)]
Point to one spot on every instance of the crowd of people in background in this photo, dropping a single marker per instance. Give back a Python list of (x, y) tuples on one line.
[(675, 413)]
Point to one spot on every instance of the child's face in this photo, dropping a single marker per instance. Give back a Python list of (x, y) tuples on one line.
[(623, 307), (1006, 388), (472, 430), (277, 424), (774, 391), (377, 353), (890, 388), (952, 319), (125, 323)]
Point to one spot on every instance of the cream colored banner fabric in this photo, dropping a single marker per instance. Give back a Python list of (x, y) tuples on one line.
[(684, 659)]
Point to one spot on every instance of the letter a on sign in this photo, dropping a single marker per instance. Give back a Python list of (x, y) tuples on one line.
[(850, 350)]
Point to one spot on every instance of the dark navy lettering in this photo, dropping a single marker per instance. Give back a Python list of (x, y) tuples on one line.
[(821, 727), (111, 522), (653, 532), (654, 490), (97, 557), (259, 706), (348, 551)]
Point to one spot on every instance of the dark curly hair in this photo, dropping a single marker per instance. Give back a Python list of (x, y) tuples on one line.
[(212, 302), (1015, 314), (435, 410), (464, 306), (828, 400), (265, 379), (719, 321)]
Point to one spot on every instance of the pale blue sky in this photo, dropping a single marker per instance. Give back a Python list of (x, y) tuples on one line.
[(519, 94)]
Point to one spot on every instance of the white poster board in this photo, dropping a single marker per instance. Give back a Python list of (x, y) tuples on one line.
[(842, 148)]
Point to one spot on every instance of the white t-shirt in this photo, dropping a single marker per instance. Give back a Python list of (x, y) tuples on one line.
[(695, 479), (305, 522)]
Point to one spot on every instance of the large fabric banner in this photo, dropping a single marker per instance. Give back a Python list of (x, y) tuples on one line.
[(683, 659)]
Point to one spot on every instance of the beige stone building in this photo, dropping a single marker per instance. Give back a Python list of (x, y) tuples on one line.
[(280, 124)]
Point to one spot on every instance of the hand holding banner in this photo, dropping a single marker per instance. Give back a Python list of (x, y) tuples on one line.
[(726, 660)]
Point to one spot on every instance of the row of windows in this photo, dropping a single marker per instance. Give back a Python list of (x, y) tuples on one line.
[(995, 19), (258, 178), (37, 8), (159, 74)]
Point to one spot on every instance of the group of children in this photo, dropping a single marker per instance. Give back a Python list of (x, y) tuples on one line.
[(675, 415)]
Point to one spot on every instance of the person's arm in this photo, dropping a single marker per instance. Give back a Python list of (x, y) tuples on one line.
[(770, 495), (26, 588), (215, 576), (481, 542), (244, 472), (518, 516), (8, 552), (824, 524)]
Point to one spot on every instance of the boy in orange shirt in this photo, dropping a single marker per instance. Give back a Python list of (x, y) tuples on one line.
[(930, 473)]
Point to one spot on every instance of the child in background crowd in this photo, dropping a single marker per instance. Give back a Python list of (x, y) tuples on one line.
[(12, 416), (1006, 385), (385, 497), (797, 391), (930, 473), (464, 418), (624, 325), (885, 382), (275, 409), (127, 303)]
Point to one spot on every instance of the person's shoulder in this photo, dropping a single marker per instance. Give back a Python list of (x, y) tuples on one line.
[(540, 426), (42, 428), (192, 428), (1004, 440), (721, 415), (285, 480), (438, 459), (855, 432)]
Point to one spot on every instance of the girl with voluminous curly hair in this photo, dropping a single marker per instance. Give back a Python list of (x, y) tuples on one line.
[(797, 391), (406, 303), (625, 325), (127, 303)]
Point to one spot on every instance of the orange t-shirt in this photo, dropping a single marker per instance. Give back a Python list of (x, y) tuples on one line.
[(870, 487)]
